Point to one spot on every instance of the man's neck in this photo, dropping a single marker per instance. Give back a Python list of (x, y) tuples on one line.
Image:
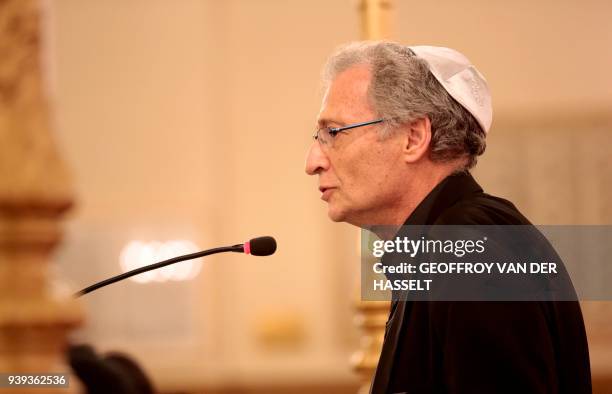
[(419, 190)]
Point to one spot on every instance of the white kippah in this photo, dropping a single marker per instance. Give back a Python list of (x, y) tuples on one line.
[(460, 79)]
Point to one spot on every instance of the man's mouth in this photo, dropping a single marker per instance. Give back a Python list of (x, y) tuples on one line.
[(326, 192)]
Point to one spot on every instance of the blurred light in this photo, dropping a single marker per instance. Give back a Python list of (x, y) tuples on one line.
[(136, 254)]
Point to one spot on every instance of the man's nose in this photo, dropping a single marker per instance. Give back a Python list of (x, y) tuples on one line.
[(316, 160)]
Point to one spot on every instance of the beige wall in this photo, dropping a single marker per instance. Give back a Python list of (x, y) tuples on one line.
[(192, 118), (540, 57)]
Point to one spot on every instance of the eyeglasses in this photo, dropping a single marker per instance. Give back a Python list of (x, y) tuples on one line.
[(326, 135)]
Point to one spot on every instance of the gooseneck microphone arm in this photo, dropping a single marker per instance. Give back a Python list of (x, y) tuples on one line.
[(125, 275), (262, 246)]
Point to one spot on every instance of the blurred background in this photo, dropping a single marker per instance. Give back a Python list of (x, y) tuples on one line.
[(188, 122)]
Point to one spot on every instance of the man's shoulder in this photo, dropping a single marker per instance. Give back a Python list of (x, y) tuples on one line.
[(482, 209)]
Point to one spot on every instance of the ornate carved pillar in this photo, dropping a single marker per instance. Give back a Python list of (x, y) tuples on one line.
[(371, 316), (34, 194), (375, 19)]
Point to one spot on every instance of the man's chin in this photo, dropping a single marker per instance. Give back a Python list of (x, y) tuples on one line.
[(336, 215), (344, 216)]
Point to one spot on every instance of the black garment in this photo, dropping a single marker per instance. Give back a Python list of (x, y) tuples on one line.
[(454, 347), (114, 373)]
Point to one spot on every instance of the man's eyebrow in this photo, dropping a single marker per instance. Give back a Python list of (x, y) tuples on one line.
[(324, 122)]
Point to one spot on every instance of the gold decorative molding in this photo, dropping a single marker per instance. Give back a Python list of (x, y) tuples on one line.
[(375, 19), (371, 318), (34, 195)]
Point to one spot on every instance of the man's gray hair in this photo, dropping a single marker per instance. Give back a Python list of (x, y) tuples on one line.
[(403, 89)]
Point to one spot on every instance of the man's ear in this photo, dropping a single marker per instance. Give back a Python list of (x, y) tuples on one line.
[(417, 139)]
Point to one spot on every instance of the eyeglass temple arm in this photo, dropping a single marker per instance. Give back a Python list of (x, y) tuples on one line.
[(352, 126)]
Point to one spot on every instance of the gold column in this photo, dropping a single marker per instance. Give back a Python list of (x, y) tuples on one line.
[(34, 194), (375, 19), (371, 316)]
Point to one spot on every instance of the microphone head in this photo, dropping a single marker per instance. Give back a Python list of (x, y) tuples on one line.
[(260, 246)]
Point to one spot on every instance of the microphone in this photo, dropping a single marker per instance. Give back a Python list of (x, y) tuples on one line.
[(260, 246)]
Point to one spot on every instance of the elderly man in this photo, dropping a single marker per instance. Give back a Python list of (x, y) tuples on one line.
[(398, 131)]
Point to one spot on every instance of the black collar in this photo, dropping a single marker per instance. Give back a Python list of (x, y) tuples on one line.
[(452, 189)]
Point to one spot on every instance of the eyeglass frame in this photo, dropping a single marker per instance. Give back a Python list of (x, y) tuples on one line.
[(333, 131)]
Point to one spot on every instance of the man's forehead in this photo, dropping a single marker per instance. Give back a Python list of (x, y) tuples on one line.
[(355, 72), (346, 94)]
